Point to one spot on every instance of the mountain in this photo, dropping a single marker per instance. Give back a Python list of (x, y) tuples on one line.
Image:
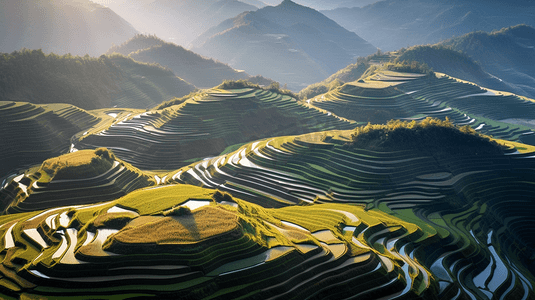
[(87, 82), (333, 4), (78, 27), (201, 71), (507, 54), (393, 24), (290, 43), (178, 21)]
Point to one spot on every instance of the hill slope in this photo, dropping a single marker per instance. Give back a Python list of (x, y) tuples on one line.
[(78, 27), (416, 210), (33, 133), (86, 82), (205, 124), (386, 95), (457, 64), (201, 71), (508, 54), (290, 43), (82, 177), (393, 24), (458, 187)]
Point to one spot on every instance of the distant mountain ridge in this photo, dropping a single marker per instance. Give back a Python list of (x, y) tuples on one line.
[(78, 27), (455, 63), (502, 60), (290, 43), (393, 24), (201, 71), (508, 54), (179, 21)]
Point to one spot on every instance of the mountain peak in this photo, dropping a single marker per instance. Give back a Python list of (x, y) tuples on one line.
[(288, 3)]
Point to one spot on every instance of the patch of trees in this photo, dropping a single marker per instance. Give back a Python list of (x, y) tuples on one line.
[(242, 83), (429, 135)]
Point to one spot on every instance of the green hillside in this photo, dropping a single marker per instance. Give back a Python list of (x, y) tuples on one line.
[(456, 64), (153, 172), (350, 73), (86, 82), (465, 187), (138, 42), (81, 177), (206, 123), (249, 193), (216, 250), (507, 54), (384, 95), (200, 71), (32, 133)]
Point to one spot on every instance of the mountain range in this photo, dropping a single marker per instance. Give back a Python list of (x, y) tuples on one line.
[(393, 24), (201, 71), (289, 43)]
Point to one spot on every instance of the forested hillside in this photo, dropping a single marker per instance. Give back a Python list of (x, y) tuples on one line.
[(508, 54), (87, 82), (201, 71)]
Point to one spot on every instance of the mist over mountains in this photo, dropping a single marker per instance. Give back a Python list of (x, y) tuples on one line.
[(200, 71), (78, 27), (149, 163), (393, 24), (178, 21), (508, 54), (290, 43)]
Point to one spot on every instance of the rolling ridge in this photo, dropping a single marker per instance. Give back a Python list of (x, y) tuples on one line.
[(205, 125), (393, 95)]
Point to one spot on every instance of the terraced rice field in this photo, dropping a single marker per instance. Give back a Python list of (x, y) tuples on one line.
[(256, 209), (470, 201), (261, 253), (37, 190), (32, 133), (391, 95), (205, 125)]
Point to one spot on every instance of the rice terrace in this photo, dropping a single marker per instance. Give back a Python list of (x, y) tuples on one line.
[(148, 171)]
